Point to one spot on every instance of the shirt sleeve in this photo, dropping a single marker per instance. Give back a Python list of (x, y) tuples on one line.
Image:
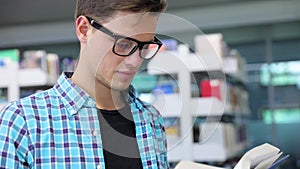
[(163, 162), (13, 138), (160, 139)]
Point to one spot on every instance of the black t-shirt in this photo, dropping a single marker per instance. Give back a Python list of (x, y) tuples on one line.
[(119, 141)]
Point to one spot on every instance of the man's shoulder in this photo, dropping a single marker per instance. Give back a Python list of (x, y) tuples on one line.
[(32, 103), (38, 98), (148, 108)]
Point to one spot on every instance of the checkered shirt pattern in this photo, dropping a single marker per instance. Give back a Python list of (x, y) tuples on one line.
[(57, 128)]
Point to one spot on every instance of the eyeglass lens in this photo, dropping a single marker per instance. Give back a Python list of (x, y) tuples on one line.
[(149, 51), (125, 47)]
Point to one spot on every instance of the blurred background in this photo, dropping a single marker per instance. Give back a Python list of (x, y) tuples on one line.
[(257, 42)]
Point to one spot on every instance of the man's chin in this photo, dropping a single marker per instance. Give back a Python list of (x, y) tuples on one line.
[(119, 88), (120, 85)]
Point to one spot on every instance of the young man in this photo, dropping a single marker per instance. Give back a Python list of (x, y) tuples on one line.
[(91, 118)]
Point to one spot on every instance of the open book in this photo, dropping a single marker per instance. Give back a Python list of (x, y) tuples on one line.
[(265, 156)]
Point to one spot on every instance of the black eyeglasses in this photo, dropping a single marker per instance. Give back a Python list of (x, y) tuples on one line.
[(126, 46)]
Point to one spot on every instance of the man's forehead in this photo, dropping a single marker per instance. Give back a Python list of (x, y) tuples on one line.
[(133, 23)]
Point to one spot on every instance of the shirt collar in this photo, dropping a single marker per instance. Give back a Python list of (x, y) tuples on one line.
[(72, 96)]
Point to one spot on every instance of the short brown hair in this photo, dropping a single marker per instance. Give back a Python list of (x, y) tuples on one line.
[(104, 9)]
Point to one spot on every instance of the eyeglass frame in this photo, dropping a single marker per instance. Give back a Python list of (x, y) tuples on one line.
[(116, 37)]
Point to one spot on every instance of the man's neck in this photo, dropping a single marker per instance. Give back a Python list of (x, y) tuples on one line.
[(107, 98)]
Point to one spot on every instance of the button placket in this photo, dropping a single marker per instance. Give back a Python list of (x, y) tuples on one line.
[(90, 103), (95, 133)]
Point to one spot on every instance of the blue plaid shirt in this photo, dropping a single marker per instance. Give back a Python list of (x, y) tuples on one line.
[(59, 128)]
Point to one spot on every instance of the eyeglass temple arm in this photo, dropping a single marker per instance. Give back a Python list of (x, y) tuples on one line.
[(100, 27)]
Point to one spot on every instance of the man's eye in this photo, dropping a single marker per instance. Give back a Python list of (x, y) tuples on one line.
[(146, 46), (124, 45)]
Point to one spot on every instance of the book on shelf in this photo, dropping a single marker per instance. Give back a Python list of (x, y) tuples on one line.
[(11, 54), (53, 67), (265, 156)]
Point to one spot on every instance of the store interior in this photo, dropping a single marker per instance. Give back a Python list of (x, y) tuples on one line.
[(257, 42)]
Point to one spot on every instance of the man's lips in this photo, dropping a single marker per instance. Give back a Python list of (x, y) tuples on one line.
[(127, 74)]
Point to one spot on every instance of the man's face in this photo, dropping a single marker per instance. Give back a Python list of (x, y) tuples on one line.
[(113, 71)]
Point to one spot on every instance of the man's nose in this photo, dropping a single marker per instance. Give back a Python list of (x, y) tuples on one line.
[(134, 59)]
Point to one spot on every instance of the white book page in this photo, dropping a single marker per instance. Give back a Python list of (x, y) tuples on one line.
[(268, 162), (193, 165), (257, 154), (260, 157)]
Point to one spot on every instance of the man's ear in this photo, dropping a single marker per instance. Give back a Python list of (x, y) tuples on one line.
[(82, 27)]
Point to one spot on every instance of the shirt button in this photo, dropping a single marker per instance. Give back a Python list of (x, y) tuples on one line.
[(95, 133), (90, 103), (73, 111), (99, 167)]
